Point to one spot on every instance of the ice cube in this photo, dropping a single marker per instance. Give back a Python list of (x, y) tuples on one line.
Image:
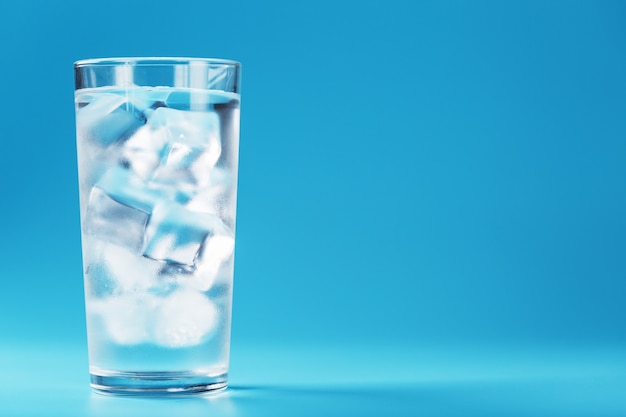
[(216, 250), (142, 152), (183, 319), (184, 171), (118, 209), (129, 270), (211, 261), (104, 125), (114, 222), (108, 119), (175, 168), (191, 99), (193, 128), (175, 234), (129, 189), (214, 195)]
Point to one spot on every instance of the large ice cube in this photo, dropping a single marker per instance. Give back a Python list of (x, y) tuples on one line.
[(178, 162), (191, 99), (195, 129), (175, 148), (109, 118), (174, 173), (114, 222), (142, 151), (176, 235), (184, 171), (129, 189), (104, 125), (215, 251), (183, 319), (119, 208)]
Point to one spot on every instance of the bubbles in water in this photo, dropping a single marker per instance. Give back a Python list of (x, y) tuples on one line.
[(157, 214), (184, 318)]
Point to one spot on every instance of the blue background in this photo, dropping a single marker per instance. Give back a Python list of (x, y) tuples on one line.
[(431, 202)]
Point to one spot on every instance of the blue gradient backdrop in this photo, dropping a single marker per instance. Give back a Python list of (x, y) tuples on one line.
[(411, 172)]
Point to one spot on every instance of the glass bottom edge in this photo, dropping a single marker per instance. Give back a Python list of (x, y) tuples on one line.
[(157, 384)]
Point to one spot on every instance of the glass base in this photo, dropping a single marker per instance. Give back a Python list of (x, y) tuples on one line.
[(156, 384)]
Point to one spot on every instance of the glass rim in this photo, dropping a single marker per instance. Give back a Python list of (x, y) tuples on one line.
[(152, 61)]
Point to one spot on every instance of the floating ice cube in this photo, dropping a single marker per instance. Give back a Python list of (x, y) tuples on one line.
[(109, 118), (181, 100), (177, 236), (214, 253), (190, 99), (174, 234), (184, 171), (105, 123), (174, 148), (183, 319), (175, 168), (119, 208), (127, 188), (195, 129), (114, 222), (142, 152)]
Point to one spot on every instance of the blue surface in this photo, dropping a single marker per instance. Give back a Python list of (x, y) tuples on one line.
[(309, 380), (440, 174)]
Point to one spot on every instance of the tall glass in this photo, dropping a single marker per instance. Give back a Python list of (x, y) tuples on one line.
[(157, 144)]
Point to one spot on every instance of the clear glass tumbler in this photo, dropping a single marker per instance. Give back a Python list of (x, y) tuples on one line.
[(157, 145)]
